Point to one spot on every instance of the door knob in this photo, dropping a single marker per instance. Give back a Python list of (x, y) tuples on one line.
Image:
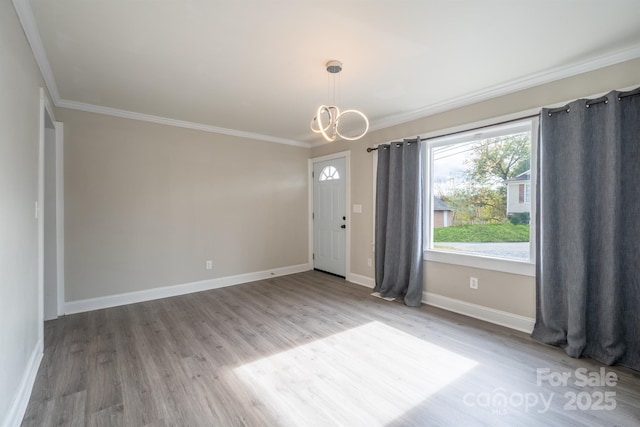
[(343, 226)]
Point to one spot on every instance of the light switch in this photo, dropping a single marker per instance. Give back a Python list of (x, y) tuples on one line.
[(357, 208)]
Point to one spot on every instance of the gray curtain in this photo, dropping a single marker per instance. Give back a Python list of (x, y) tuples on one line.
[(588, 229), (398, 228)]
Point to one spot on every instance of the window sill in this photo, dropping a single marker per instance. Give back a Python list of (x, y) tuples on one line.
[(523, 268)]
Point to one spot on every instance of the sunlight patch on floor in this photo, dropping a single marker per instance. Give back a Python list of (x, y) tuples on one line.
[(368, 375)]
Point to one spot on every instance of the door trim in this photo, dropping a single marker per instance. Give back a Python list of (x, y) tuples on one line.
[(46, 113), (347, 160)]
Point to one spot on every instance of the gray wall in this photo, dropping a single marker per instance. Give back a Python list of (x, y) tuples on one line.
[(146, 205), (19, 133), (507, 292)]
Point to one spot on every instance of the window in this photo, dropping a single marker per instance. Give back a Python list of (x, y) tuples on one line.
[(479, 202), (328, 173), (524, 193)]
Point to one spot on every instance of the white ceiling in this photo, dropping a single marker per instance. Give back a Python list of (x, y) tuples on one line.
[(257, 67)]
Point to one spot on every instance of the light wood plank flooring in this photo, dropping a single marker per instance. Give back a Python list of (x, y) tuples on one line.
[(310, 350)]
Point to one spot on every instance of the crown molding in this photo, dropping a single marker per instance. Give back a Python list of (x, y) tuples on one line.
[(91, 108), (25, 14), (28, 22), (512, 86)]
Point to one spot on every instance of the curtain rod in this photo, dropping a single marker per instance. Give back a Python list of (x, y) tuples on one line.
[(552, 111), (504, 122), (602, 99)]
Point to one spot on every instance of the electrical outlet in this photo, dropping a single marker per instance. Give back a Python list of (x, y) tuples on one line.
[(369, 262), (209, 265), (473, 282)]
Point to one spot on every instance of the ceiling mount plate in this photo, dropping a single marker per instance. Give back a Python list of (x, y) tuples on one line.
[(334, 66)]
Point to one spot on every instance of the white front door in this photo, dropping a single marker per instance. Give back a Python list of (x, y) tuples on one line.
[(329, 216)]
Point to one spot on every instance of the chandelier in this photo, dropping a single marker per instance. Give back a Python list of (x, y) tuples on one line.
[(327, 118)]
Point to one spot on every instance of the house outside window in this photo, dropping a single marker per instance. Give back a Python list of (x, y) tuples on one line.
[(442, 213), (480, 189), (519, 197)]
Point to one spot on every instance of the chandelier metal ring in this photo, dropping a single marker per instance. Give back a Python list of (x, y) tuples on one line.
[(323, 108), (352, 138), (334, 114), (330, 130)]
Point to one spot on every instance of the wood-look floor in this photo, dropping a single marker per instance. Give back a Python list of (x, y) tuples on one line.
[(308, 349)]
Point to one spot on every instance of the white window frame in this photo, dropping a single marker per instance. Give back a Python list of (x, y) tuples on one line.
[(521, 267), (527, 193)]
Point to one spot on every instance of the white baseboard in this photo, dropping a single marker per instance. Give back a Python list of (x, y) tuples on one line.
[(90, 304), (502, 318), (16, 412), (358, 279)]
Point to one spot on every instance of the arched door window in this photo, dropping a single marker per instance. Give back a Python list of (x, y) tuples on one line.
[(329, 173)]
